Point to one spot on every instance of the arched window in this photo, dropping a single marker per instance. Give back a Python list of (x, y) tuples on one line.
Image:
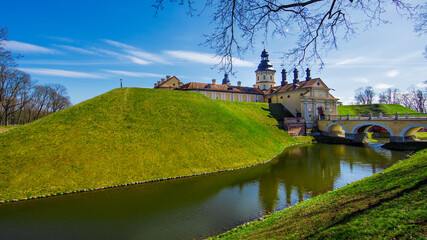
[(264, 87), (264, 77), (271, 77)]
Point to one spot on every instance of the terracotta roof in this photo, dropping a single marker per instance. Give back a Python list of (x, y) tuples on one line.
[(299, 85), (219, 87)]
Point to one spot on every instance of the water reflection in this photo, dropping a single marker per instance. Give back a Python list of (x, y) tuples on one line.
[(197, 206)]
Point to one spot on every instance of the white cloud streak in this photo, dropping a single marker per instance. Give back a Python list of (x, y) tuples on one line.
[(205, 58), (60, 73), (392, 73), (134, 74), (21, 47), (79, 50), (383, 86)]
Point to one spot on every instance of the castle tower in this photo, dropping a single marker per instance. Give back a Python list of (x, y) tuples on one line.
[(265, 73)]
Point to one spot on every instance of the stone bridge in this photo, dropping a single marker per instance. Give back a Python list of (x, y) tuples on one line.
[(402, 127)]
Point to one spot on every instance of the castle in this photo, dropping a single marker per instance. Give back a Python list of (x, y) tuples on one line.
[(308, 100)]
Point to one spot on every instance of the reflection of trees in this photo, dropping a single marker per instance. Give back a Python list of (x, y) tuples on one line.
[(313, 170)]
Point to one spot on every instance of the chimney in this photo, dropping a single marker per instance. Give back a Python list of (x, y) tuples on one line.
[(213, 81), (155, 85), (163, 80), (167, 77), (284, 82), (308, 74), (255, 86), (296, 80), (239, 83), (158, 82)]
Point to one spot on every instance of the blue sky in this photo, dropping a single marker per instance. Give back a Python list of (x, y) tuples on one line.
[(87, 46)]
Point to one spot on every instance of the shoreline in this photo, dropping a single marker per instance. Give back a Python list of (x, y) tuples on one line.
[(149, 181)]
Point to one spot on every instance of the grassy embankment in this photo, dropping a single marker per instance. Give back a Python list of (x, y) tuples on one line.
[(373, 108), (131, 135), (388, 205), (6, 128)]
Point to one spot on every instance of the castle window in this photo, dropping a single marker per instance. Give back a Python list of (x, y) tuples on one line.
[(264, 76)]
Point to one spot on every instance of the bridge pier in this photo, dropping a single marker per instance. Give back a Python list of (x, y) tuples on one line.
[(397, 139), (357, 137)]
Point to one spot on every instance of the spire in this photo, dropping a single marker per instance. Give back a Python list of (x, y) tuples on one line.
[(308, 74), (284, 82), (296, 80), (225, 80), (265, 63)]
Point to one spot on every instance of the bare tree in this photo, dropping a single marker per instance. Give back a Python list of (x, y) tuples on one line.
[(390, 96), (318, 24), (365, 95)]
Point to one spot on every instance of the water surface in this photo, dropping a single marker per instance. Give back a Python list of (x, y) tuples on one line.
[(194, 207)]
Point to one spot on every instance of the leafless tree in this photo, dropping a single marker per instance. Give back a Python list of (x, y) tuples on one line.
[(365, 95), (390, 96), (318, 24)]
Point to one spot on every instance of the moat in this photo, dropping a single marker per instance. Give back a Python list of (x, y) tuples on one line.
[(195, 207)]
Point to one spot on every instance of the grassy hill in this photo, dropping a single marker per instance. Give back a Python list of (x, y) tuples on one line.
[(132, 134), (388, 205), (373, 108)]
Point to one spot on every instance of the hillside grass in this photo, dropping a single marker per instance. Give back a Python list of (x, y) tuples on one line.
[(388, 205), (373, 108), (6, 128), (133, 134)]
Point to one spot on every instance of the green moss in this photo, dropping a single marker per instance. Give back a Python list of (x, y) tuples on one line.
[(132, 134), (387, 205)]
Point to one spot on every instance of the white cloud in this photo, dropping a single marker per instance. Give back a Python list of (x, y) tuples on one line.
[(134, 74), (383, 86), (79, 50), (118, 44), (422, 85), (21, 47), (146, 55), (60, 73), (392, 73), (361, 80), (205, 58), (137, 60), (350, 61)]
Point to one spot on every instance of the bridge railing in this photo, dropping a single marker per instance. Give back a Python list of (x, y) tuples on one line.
[(380, 116)]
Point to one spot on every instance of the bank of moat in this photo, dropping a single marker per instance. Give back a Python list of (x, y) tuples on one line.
[(307, 100)]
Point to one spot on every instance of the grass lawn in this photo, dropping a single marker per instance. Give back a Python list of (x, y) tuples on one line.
[(422, 135), (373, 108), (133, 134), (388, 205)]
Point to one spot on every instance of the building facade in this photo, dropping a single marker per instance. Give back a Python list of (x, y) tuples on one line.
[(309, 99)]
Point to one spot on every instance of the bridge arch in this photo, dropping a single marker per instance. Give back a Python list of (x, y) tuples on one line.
[(412, 129), (333, 127), (370, 124)]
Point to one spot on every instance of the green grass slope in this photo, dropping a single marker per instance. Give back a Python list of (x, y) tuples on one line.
[(133, 134), (373, 108), (388, 205)]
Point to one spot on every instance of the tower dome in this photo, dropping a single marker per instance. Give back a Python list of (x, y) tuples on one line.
[(265, 73)]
